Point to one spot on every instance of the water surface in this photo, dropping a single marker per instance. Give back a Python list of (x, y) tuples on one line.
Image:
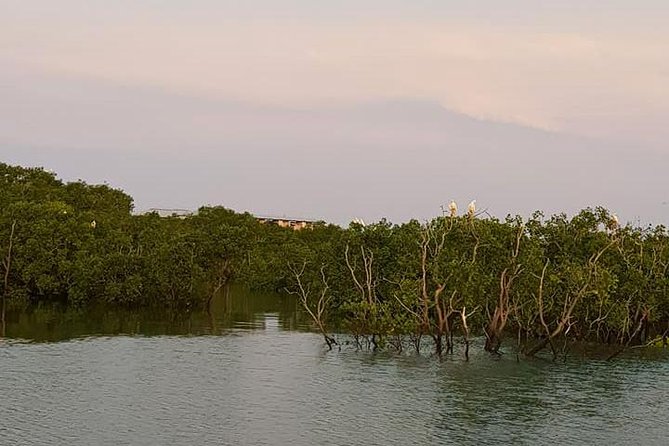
[(249, 374)]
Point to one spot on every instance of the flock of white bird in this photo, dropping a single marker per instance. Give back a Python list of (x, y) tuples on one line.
[(453, 208)]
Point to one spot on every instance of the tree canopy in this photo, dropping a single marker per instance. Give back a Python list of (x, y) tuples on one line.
[(532, 280)]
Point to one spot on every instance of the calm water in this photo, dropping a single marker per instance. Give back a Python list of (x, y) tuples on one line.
[(248, 374)]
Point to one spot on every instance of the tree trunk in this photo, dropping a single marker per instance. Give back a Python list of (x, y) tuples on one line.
[(7, 263), (548, 339), (465, 331), (438, 344), (642, 320), (493, 333)]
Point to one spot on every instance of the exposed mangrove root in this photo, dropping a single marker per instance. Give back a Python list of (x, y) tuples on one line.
[(642, 320)]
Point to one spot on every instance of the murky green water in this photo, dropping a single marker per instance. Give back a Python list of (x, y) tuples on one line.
[(246, 375)]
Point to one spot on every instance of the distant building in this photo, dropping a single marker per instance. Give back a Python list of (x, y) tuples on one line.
[(285, 222), (179, 213)]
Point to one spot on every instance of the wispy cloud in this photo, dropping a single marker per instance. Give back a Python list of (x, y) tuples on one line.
[(604, 83)]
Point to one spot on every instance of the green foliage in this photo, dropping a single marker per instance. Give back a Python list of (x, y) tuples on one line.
[(582, 277)]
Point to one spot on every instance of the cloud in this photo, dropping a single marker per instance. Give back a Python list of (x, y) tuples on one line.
[(396, 159), (585, 83)]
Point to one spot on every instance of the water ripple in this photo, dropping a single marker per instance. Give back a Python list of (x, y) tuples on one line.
[(267, 387)]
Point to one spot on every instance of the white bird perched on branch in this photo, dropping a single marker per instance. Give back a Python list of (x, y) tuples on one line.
[(453, 208), (613, 224), (471, 208)]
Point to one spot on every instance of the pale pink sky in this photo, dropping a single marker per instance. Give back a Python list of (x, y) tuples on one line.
[(249, 85)]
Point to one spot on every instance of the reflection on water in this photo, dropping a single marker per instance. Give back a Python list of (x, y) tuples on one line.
[(261, 382), (235, 309)]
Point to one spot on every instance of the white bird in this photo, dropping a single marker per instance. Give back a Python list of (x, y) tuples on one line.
[(614, 223), (471, 208), (93, 224), (453, 208)]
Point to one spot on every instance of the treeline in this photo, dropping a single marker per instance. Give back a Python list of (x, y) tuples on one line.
[(76, 243), (536, 282)]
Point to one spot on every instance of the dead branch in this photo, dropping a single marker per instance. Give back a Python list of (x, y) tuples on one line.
[(303, 292)]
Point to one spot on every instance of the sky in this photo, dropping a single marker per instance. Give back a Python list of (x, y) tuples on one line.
[(348, 109)]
